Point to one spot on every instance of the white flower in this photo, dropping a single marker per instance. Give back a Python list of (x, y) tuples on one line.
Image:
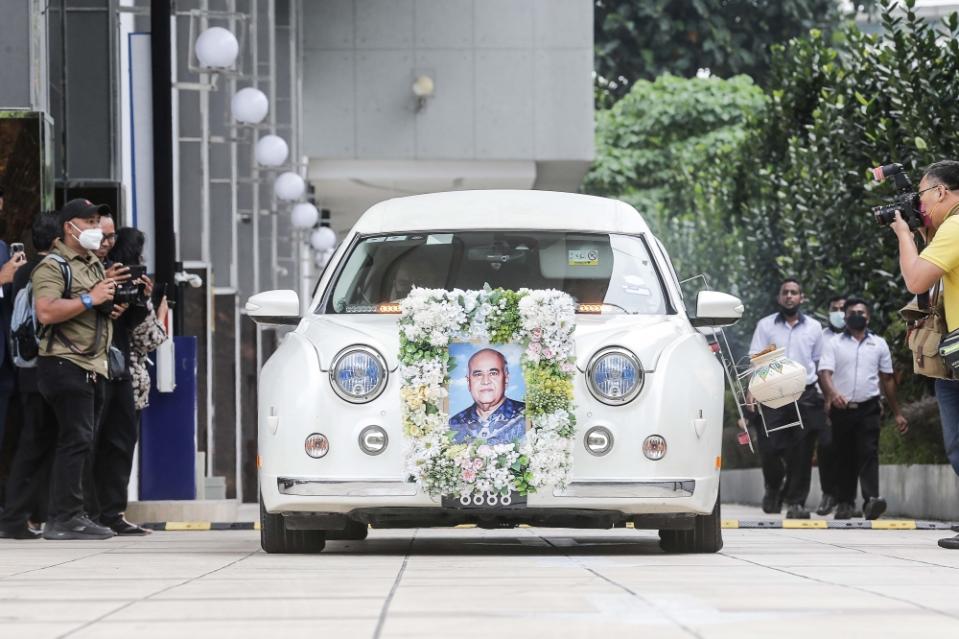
[(435, 317)]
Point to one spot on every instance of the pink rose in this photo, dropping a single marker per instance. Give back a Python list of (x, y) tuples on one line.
[(537, 333), (469, 475), (547, 353), (477, 463)]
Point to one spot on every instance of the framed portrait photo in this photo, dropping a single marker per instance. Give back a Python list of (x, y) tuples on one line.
[(487, 393)]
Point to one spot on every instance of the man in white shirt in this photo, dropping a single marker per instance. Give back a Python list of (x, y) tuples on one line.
[(787, 454), (850, 371), (825, 456)]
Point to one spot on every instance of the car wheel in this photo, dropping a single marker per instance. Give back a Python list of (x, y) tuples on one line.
[(275, 538), (706, 535), (354, 531)]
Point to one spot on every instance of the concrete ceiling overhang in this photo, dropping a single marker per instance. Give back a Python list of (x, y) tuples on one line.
[(348, 187)]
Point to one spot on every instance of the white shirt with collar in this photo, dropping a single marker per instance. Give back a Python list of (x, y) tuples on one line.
[(828, 334), (856, 365), (802, 340)]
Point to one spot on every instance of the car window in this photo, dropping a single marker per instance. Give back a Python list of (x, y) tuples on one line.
[(605, 273)]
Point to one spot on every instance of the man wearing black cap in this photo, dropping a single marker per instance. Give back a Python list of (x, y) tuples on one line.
[(72, 366)]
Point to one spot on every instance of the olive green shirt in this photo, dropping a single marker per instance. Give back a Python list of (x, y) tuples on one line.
[(81, 331)]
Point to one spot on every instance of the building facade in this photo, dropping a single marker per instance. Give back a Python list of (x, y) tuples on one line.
[(374, 99)]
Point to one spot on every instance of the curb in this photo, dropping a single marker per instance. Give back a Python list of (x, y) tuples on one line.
[(728, 524), (823, 524), (201, 525)]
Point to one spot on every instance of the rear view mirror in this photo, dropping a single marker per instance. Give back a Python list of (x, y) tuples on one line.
[(274, 307), (717, 309)]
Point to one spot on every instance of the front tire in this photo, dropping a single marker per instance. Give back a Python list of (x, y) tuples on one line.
[(706, 536), (275, 538)]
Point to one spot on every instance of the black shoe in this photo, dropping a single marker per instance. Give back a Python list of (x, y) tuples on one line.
[(772, 502), (79, 527), (843, 511), (873, 508), (950, 543), (122, 527), (826, 506), (19, 532), (797, 511)]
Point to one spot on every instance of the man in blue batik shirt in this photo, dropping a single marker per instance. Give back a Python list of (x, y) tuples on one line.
[(493, 417)]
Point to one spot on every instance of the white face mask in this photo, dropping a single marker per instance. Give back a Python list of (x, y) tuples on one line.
[(837, 319), (89, 239)]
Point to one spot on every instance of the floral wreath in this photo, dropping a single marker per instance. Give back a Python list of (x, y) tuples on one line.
[(542, 322)]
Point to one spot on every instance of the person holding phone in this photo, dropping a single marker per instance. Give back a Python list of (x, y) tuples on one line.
[(121, 251), (12, 260), (28, 486)]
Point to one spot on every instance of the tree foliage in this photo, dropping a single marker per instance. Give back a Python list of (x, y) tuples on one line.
[(786, 188), (641, 40)]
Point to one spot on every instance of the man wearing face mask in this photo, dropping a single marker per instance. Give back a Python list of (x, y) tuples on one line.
[(787, 453), (837, 317), (938, 205), (72, 363), (850, 372), (825, 454)]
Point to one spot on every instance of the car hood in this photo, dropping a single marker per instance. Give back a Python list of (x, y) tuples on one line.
[(645, 335)]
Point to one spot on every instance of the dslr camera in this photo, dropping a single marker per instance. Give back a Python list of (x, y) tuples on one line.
[(906, 200), (132, 293)]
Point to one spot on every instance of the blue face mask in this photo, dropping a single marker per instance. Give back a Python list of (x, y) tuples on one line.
[(837, 319)]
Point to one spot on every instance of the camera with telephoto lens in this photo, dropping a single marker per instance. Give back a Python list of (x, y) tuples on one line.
[(906, 200), (132, 293)]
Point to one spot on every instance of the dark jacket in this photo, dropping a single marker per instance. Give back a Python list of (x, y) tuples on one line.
[(122, 326), (27, 377)]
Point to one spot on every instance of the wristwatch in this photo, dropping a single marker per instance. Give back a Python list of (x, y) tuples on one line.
[(87, 300)]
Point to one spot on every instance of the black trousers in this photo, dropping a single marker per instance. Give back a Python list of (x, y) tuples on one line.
[(856, 441), (76, 396), (28, 488), (787, 454), (112, 459), (828, 471)]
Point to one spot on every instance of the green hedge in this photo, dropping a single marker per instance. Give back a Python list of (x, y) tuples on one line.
[(750, 185)]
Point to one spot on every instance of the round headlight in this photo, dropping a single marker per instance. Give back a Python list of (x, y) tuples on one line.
[(358, 374), (317, 445), (373, 440), (654, 447), (615, 376)]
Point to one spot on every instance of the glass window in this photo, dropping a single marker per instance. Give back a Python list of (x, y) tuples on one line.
[(605, 273)]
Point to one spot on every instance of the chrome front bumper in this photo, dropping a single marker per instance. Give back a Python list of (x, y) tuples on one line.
[(628, 489), (319, 487)]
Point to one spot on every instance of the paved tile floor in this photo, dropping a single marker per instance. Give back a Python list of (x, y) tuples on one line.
[(527, 582)]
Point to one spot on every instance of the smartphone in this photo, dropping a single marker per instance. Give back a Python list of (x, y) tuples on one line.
[(161, 290), (137, 270), (16, 247)]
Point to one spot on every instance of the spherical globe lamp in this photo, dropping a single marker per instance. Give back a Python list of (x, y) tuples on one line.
[(289, 186), (216, 48), (249, 106), (304, 216), (323, 239), (272, 150)]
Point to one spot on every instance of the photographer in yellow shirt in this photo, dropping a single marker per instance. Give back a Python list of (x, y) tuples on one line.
[(938, 204)]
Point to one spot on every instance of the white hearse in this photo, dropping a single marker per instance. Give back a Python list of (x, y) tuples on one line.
[(647, 389)]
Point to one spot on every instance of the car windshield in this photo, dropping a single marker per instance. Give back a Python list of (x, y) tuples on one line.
[(604, 273)]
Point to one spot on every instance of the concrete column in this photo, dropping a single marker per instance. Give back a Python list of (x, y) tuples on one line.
[(23, 74)]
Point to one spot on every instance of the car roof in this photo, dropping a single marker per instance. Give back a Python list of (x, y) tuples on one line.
[(501, 209)]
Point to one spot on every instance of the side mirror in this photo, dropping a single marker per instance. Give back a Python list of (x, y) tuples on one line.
[(717, 309), (274, 307)]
